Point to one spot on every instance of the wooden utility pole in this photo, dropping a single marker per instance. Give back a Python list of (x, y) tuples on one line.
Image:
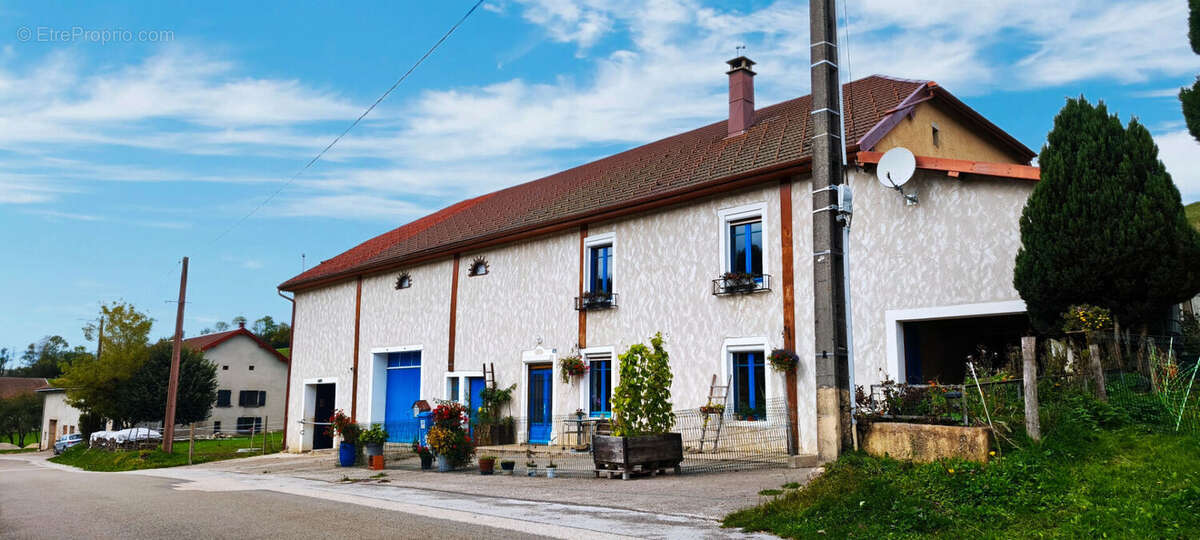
[(829, 300), (1033, 426), (173, 383)]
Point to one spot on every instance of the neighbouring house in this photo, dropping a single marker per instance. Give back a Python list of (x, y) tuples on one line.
[(58, 418), (251, 380), (705, 236), (11, 387)]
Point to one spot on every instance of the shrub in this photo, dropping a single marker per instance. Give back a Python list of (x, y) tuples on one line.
[(642, 400), (374, 435)]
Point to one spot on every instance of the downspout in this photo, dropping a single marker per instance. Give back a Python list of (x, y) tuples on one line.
[(287, 394), (354, 374)]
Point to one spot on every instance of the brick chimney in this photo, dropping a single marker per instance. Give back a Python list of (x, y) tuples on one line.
[(242, 325), (741, 95)]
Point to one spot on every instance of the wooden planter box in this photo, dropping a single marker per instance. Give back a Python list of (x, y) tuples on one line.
[(495, 434), (648, 454)]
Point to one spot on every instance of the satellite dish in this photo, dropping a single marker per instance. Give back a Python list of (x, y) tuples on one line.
[(896, 167)]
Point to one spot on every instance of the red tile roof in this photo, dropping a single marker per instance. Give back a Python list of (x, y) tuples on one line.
[(778, 140), (17, 386), (209, 341)]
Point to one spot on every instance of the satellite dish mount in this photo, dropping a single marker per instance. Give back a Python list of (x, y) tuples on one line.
[(895, 169)]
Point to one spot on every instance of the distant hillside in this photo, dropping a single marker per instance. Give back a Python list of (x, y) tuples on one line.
[(1193, 214)]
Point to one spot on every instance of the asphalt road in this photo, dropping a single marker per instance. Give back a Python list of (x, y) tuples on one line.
[(38, 502)]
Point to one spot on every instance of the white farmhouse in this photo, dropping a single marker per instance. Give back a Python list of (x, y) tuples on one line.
[(251, 380), (594, 259)]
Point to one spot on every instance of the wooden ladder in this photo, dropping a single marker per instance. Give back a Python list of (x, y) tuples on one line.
[(717, 395), (489, 375)]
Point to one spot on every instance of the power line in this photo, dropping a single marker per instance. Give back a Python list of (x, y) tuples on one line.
[(353, 124)]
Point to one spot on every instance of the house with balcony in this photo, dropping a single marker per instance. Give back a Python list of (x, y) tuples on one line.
[(705, 236)]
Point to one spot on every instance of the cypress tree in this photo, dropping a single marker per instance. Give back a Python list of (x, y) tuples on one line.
[(1189, 98), (1105, 225)]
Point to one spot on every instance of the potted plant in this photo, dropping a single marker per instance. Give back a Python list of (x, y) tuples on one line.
[(596, 300), (783, 360), (572, 367), (735, 282), (531, 468), (425, 453), (487, 464), (551, 469), (642, 415), (507, 466), (340, 425), (447, 438), (579, 414), (373, 438), (494, 429), (712, 409)]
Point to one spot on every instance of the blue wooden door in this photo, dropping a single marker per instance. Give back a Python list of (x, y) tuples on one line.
[(540, 403), (403, 389), (474, 400)]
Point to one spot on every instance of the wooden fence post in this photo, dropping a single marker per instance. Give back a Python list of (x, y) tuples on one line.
[(191, 442), (266, 429), (1097, 371), (1029, 355)]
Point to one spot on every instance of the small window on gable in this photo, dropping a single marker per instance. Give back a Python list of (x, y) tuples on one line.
[(404, 281), (251, 367), (937, 138), (478, 267), (224, 368)]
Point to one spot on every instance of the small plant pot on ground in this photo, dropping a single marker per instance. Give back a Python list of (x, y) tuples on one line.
[(487, 464), (647, 454), (508, 466), (551, 472), (531, 469), (347, 453), (426, 463), (443, 463)]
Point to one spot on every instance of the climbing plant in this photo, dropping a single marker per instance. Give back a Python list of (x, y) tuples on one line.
[(642, 400)]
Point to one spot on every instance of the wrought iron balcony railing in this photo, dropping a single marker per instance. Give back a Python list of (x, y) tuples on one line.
[(594, 301), (739, 283)]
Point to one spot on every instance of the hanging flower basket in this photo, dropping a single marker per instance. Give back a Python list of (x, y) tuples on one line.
[(572, 367), (712, 409), (783, 360)]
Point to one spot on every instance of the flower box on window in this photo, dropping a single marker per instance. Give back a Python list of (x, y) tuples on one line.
[(595, 300), (741, 283)]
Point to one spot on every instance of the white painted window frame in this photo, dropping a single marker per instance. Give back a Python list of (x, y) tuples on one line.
[(538, 355), (585, 386), (746, 344), (591, 242), (895, 317), (463, 387), (728, 216), (377, 388)]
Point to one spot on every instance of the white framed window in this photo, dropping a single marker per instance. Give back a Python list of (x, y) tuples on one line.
[(752, 381), (595, 394), (599, 263), (458, 385), (745, 234)]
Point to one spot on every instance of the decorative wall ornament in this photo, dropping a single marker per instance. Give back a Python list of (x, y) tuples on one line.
[(403, 281), (478, 267)]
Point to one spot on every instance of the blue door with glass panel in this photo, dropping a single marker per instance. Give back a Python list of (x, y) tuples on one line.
[(474, 400), (540, 402), (403, 389), (600, 389), (749, 385)]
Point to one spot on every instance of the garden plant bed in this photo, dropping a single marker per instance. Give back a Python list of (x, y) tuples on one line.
[(646, 454)]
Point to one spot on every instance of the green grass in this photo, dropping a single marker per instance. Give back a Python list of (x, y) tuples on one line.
[(1098, 475), (1193, 214), (30, 438), (21, 451), (285, 351), (90, 459)]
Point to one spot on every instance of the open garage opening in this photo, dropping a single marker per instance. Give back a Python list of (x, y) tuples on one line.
[(939, 349)]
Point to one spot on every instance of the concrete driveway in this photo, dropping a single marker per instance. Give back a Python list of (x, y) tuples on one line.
[(304, 495)]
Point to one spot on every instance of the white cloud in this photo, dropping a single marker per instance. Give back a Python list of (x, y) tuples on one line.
[(1181, 154)]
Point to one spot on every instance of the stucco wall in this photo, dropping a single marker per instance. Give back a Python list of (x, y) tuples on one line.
[(322, 347), (269, 375), (958, 141), (955, 247), (54, 407)]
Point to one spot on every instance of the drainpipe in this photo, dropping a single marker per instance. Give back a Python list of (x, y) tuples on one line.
[(287, 395)]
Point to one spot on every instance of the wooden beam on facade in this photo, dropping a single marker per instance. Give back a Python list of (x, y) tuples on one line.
[(956, 167)]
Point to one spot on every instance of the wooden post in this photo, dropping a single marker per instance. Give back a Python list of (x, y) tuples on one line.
[(266, 424), (1097, 371), (191, 442), (173, 384), (1029, 355)]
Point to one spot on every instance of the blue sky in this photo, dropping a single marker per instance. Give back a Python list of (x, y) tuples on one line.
[(117, 158)]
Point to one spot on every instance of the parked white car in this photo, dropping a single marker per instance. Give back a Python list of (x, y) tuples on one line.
[(67, 441)]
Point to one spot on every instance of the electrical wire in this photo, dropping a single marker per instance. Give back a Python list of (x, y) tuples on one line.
[(352, 124)]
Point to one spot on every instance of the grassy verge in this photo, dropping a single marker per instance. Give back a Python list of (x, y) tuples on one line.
[(20, 451), (30, 438), (90, 459), (1096, 474)]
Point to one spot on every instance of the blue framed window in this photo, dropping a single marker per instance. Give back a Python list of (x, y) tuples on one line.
[(746, 247), (750, 385), (600, 389), (404, 359), (601, 270)]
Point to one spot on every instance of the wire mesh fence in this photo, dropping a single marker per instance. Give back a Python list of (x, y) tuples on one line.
[(711, 442), (208, 438)]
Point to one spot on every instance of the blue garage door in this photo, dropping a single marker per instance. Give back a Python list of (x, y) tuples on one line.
[(403, 389)]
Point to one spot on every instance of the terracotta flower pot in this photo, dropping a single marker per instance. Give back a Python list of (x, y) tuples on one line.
[(487, 466)]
